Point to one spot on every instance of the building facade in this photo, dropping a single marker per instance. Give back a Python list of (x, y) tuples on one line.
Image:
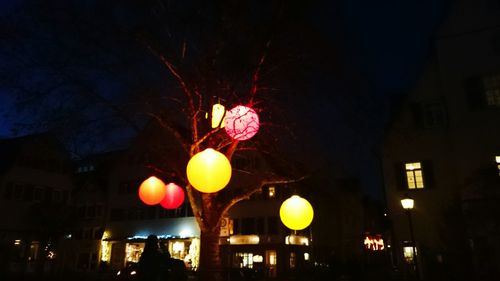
[(442, 149), (35, 189)]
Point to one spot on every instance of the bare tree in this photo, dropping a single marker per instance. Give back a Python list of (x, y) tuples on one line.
[(94, 65)]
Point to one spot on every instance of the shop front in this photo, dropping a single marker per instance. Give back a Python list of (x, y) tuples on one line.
[(122, 245)]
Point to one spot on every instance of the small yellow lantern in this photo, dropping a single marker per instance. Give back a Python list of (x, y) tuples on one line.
[(209, 171), (218, 115), (296, 213)]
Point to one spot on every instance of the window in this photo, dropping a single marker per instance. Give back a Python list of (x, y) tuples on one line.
[(57, 196), (272, 225), (414, 176), (483, 91), (293, 260), (409, 252), (491, 86), (38, 194), (497, 160), (18, 191), (236, 226), (271, 259), (260, 225), (271, 192), (245, 260), (248, 226), (429, 115)]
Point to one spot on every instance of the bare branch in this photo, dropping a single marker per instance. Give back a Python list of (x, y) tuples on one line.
[(187, 91), (255, 78), (250, 192), (168, 127)]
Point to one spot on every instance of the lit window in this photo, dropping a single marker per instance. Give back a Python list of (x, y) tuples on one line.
[(414, 176), (245, 260), (293, 260), (271, 257), (497, 160), (272, 192), (408, 254), (133, 251)]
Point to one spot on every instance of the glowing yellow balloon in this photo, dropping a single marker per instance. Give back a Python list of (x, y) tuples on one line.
[(209, 171), (296, 213)]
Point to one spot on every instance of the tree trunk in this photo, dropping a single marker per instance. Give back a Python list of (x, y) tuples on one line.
[(210, 265)]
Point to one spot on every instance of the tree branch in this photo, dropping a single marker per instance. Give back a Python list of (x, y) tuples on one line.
[(250, 192)]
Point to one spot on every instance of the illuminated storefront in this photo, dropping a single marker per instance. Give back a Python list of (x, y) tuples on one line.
[(179, 235), (269, 256)]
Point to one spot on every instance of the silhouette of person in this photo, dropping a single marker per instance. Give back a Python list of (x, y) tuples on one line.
[(176, 269), (150, 261)]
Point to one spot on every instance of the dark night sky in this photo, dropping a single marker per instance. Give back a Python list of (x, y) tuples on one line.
[(382, 45)]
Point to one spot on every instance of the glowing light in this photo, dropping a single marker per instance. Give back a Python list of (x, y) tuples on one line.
[(407, 203), (209, 171), (218, 113), (133, 252), (242, 122), (51, 255), (178, 246), (185, 233), (296, 240), (244, 239), (105, 251), (174, 197), (194, 253), (17, 242), (306, 256), (296, 213), (374, 243), (152, 191), (258, 258)]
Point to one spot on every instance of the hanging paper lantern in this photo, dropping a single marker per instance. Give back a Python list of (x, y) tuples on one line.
[(296, 213), (174, 197), (242, 122), (152, 191), (209, 171), (218, 113)]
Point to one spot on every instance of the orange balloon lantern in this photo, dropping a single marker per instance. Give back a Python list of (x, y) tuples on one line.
[(173, 198), (209, 171), (242, 122), (152, 191)]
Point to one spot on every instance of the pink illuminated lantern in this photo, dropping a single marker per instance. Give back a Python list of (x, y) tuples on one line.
[(152, 191), (242, 123), (173, 198)]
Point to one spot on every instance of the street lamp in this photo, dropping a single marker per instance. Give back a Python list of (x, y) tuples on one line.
[(408, 204)]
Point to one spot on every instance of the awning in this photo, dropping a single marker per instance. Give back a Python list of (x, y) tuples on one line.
[(185, 227)]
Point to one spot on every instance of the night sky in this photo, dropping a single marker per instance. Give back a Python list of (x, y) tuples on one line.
[(381, 47)]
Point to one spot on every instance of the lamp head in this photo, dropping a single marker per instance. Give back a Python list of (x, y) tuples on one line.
[(407, 203)]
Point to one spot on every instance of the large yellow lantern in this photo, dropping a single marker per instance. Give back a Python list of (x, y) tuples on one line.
[(152, 191), (296, 213), (209, 171)]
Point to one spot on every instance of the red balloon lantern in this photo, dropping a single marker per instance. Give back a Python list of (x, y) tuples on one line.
[(242, 123), (152, 191), (173, 197)]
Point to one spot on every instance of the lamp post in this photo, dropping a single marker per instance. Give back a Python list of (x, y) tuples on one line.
[(408, 204)]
